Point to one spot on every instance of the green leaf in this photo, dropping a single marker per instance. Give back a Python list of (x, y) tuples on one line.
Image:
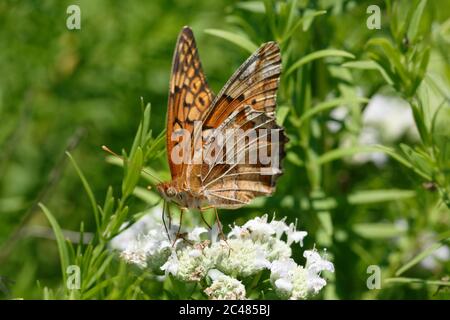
[(420, 161), (419, 281), (326, 222), (368, 65), (374, 196), (237, 39), (91, 294), (282, 112), (147, 196), (306, 21), (60, 240), (309, 17), (441, 133), (346, 152), (420, 68), (252, 6), (393, 56), (295, 159), (143, 129), (361, 64), (413, 29), (327, 105), (88, 190), (100, 269), (292, 5), (318, 55), (133, 172), (271, 9), (377, 230)]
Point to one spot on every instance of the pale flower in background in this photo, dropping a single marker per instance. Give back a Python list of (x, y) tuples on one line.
[(384, 121), (435, 259), (392, 116)]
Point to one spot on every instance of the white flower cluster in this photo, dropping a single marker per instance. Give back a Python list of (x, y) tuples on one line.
[(224, 287), (149, 250), (249, 249), (296, 282)]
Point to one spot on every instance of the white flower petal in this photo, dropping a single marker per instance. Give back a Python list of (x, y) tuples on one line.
[(315, 263), (194, 235), (214, 274), (294, 236), (315, 283), (171, 266), (284, 285)]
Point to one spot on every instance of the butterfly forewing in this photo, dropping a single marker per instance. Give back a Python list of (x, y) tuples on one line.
[(189, 96)]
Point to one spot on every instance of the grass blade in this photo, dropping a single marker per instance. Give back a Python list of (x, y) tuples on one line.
[(237, 39), (60, 240), (416, 280), (421, 256), (318, 55), (88, 190), (327, 105)]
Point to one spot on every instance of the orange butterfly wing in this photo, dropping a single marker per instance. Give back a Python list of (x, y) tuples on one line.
[(189, 95), (247, 101)]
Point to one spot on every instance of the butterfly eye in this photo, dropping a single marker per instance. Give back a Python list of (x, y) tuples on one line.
[(171, 192)]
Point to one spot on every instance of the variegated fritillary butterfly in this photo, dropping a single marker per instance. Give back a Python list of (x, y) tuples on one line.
[(246, 102)]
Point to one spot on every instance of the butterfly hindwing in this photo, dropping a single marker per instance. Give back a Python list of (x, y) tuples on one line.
[(255, 83), (246, 102)]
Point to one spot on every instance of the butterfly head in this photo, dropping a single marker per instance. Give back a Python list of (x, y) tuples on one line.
[(168, 191)]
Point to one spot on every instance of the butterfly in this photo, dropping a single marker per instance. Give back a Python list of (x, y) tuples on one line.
[(200, 121)]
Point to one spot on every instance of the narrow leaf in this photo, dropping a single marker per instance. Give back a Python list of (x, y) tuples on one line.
[(237, 39), (60, 240), (318, 55)]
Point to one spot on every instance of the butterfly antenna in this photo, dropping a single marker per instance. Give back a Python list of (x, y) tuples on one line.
[(105, 148)]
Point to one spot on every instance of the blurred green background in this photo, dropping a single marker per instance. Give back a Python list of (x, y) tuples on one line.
[(66, 89)]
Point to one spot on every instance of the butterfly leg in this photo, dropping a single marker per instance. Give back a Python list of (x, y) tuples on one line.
[(222, 235), (170, 216), (204, 220), (219, 225), (179, 235), (203, 217), (164, 220)]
